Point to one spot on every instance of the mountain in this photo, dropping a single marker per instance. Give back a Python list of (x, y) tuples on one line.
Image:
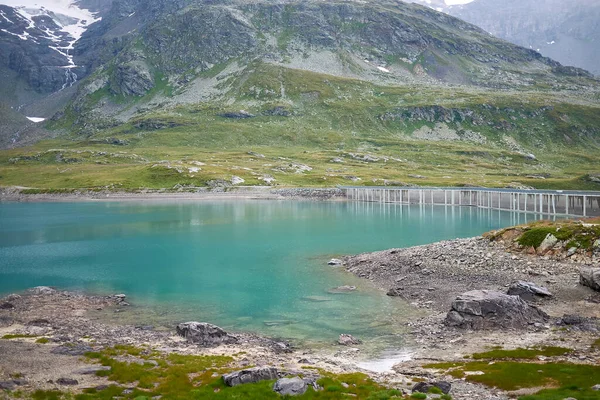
[(566, 31), (190, 93)]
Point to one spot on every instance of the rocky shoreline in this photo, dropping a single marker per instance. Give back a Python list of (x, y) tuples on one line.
[(12, 194), (46, 332)]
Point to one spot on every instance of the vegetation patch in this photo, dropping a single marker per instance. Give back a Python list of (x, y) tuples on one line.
[(521, 353), (18, 336), (561, 380)]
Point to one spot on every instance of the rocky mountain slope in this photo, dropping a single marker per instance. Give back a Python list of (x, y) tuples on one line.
[(364, 84), (566, 31)]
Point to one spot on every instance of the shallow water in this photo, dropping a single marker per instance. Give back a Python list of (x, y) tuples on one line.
[(245, 265)]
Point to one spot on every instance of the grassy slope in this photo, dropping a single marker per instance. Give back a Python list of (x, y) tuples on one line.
[(331, 117)]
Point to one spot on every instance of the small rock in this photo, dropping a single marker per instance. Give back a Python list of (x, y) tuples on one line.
[(67, 381), (571, 251), (335, 261), (528, 291), (236, 180), (92, 370), (348, 340), (6, 306), (548, 243), (596, 388), (251, 375), (290, 386), (7, 385), (395, 292)]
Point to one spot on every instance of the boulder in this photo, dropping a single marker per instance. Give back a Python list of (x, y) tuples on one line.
[(590, 277), (425, 387), (528, 291), (548, 243), (335, 261), (290, 386), (6, 306), (348, 340), (251, 375), (486, 309), (92, 370), (204, 334)]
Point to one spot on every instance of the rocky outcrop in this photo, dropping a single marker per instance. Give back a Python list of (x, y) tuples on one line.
[(590, 277), (528, 291), (290, 386), (204, 334), (251, 375), (486, 309), (132, 79)]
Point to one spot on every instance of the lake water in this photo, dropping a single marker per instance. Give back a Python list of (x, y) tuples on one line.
[(244, 265)]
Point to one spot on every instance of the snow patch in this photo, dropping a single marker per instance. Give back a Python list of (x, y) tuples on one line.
[(383, 69), (65, 13), (36, 119)]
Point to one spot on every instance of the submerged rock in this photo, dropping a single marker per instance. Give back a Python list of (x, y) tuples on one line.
[(290, 386), (251, 375), (348, 340), (342, 289), (42, 290), (204, 334), (590, 277), (528, 291), (486, 309)]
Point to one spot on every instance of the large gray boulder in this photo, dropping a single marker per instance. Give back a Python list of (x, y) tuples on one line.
[(204, 334), (590, 277), (290, 386), (486, 309), (528, 291), (250, 375)]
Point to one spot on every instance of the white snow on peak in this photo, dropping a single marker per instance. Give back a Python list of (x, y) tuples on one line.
[(66, 13)]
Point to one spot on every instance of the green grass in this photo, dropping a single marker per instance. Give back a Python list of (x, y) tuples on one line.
[(521, 353), (576, 234), (18, 336), (43, 340), (560, 380), (177, 376)]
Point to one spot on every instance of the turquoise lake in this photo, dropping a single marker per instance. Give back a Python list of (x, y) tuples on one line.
[(256, 266)]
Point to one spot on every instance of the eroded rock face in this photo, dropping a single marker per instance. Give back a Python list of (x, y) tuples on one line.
[(251, 375), (204, 334), (486, 309), (590, 277), (290, 386)]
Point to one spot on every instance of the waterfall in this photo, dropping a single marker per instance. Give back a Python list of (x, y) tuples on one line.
[(70, 78)]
